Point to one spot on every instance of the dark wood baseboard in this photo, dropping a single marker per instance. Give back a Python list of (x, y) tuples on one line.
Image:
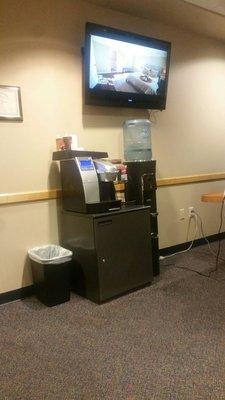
[(17, 294), (198, 242)]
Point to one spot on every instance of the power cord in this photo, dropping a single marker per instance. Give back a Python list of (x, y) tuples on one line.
[(219, 240), (197, 217), (219, 231), (205, 238), (188, 249), (192, 242)]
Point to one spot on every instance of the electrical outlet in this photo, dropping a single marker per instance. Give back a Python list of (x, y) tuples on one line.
[(190, 211), (181, 214)]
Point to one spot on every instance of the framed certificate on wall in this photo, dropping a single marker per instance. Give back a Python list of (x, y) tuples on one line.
[(10, 103)]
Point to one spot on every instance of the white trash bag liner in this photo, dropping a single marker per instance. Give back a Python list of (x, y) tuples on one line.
[(50, 254)]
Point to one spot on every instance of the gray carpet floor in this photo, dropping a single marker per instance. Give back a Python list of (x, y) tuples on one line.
[(166, 341)]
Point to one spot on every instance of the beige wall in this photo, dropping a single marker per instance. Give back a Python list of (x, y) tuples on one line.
[(40, 51)]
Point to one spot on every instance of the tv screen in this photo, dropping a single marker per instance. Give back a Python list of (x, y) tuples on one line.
[(125, 69)]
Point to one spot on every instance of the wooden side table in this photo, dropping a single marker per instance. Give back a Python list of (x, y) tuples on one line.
[(212, 197)]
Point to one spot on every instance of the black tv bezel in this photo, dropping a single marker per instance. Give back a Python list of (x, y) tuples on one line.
[(122, 99)]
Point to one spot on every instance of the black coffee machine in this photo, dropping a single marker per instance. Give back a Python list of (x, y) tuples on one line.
[(87, 181)]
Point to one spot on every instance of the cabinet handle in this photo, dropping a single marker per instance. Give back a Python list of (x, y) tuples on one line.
[(154, 235), (106, 222)]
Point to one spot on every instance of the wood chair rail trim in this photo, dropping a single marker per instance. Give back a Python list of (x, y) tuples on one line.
[(51, 194)]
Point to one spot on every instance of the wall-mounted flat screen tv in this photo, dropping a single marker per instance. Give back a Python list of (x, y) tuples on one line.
[(125, 69)]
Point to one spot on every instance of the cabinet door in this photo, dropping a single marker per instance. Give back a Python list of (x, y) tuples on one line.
[(123, 244)]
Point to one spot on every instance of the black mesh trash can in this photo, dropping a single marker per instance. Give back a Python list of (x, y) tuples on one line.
[(51, 273)]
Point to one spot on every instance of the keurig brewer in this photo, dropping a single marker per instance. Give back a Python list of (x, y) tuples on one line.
[(87, 181)]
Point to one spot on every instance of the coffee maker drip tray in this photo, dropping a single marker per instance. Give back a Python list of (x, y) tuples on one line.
[(103, 206)]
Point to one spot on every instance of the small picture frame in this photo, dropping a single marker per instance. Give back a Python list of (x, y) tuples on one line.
[(10, 103)]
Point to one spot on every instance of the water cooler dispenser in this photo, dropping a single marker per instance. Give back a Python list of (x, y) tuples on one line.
[(137, 140), (141, 175)]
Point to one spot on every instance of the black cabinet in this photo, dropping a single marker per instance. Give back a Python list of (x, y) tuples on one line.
[(112, 251)]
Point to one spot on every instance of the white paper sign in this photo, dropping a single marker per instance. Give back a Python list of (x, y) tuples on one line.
[(9, 103)]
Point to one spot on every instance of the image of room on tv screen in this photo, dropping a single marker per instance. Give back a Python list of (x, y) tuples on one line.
[(126, 67)]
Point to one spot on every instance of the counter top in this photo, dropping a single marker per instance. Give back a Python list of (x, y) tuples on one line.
[(68, 154), (123, 209), (212, 197)]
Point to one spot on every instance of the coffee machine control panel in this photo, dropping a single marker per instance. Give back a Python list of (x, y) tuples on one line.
[(86, 164), (89, 179), (87, 169)]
